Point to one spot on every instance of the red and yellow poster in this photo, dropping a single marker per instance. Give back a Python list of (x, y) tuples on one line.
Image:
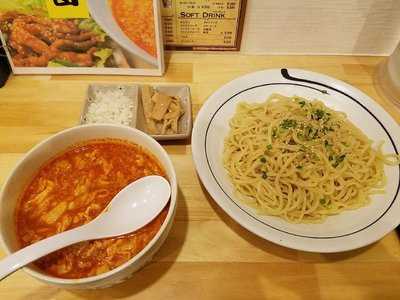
[(83, 36)]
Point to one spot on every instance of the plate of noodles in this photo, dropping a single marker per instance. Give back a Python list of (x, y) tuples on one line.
[(300, 159)]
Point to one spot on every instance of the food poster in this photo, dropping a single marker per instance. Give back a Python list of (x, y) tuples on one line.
[(83, 36), (203, 24)]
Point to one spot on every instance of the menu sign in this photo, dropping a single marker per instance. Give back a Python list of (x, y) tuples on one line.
[(203, 24), (67, 9), (83, 36)]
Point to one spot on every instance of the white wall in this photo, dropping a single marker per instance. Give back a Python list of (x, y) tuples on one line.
[(363, 27)]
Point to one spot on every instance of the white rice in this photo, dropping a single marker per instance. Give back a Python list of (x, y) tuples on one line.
[(110, 106)]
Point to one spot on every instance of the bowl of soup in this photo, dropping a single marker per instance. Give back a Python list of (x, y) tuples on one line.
[(66, 181), (131, 23)]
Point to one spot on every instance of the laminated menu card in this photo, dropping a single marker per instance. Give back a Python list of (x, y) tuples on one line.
[(83, 36), (203, 24)]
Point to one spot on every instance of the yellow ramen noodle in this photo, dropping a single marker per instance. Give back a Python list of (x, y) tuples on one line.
[(300, 160)]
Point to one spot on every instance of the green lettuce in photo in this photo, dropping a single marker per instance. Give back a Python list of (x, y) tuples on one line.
[(55, 63), (103, 54), (24, 6), (90, 25)]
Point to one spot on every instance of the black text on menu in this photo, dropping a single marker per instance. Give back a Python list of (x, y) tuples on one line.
[(66, 2)]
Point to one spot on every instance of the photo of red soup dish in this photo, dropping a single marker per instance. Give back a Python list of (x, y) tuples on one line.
[(72, 189), (136, 19)]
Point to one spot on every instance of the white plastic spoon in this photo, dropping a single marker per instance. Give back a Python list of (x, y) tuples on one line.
[(132, 208)]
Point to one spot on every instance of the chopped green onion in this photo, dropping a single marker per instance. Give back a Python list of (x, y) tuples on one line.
[(339, 159), (288, 123), (274, 133), (263, 160), (318, 114), (315, 134), (269, 146), (325, 129), (310, 132)]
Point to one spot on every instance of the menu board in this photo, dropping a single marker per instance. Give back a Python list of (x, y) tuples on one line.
[(203, 24), (83, 36)]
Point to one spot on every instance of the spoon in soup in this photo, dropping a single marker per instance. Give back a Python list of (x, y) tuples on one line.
[(132, 208)]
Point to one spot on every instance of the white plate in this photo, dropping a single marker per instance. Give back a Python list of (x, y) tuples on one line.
[(346, 231)]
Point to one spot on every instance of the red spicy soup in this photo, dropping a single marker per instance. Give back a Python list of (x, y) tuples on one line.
[(136, 19), (72, 189)]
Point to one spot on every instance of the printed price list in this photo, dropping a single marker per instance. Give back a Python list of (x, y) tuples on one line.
[(201, 23)]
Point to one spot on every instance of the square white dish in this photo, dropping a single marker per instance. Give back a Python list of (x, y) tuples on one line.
[(129, 90), (185, 122)]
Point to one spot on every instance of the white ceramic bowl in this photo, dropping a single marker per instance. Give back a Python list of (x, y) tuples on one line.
[(28, 166)]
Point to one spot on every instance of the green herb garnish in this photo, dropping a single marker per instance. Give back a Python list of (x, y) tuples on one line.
[(318, 114), (338, 160), (264, 175), (315, 134), (299, 167), (274, 133), (269, 146), (288, 123), (302, 103), (310, 132), (263, 160), (325, 129)]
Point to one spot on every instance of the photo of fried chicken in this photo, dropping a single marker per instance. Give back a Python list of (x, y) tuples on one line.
[(33, 38), (34, 41)]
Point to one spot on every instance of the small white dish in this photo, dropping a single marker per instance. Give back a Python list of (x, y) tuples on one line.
[(346, 231), (129, 90), (133, 91), (185, 121)]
